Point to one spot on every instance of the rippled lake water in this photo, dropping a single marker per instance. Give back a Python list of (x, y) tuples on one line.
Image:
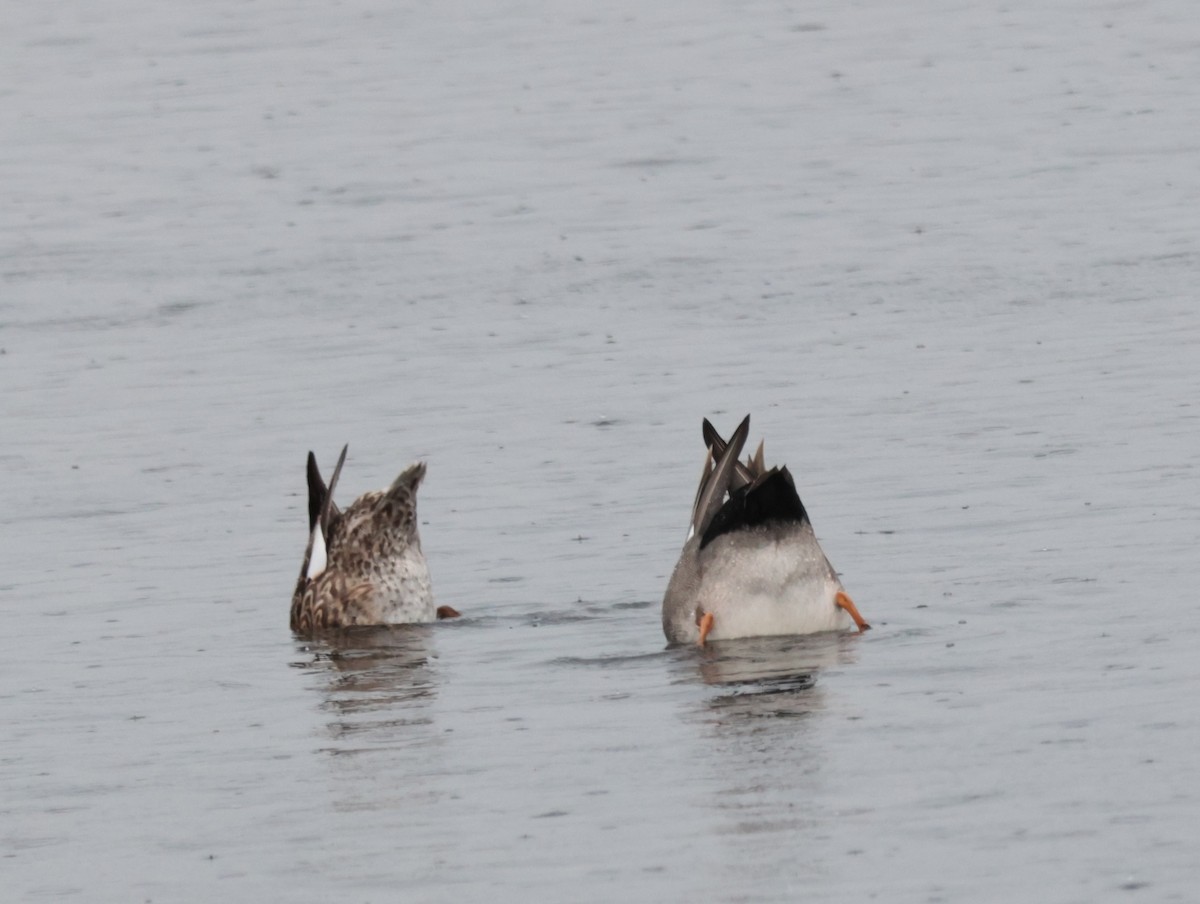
[(946, 256)]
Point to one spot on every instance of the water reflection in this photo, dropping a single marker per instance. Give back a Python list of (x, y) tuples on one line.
[(766, 676), (376, 688), (761, 757), (376, 684)]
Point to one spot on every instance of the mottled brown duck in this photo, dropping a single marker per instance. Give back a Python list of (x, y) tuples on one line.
[(363, 565)]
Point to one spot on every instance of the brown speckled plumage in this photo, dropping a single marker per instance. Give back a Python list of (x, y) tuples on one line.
[(373, 571)]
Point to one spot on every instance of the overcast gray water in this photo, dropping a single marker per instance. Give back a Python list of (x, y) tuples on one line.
[(945, 254)]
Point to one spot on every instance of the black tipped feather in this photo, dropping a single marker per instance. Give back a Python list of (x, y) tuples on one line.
[(317, 494)]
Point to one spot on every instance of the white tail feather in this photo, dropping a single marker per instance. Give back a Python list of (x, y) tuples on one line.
[(318, 560)]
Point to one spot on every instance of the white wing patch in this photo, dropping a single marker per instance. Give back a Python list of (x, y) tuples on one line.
[(318, 560)]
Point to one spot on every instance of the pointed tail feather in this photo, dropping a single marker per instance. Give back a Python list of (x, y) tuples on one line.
[(717, 484), (742, 474), (757, 464), (315, 554), (409, 479), (705, 473), (328, 508), (316, 491)]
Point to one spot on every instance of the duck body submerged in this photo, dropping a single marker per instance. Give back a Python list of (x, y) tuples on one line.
[(363, 565), (751, 565)]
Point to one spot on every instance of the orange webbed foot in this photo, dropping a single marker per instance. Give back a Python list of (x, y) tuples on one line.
[(447, 612), (705, 622), (848, 604)]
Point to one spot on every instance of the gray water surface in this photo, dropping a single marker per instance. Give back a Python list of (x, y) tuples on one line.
[(945, 254)]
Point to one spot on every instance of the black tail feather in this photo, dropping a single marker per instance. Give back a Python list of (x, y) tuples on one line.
[(325, 511), (316, 491), (769, 499)]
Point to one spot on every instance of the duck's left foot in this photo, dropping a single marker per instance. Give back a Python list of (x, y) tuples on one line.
[(848, 604), (706, 624), (447, 612)]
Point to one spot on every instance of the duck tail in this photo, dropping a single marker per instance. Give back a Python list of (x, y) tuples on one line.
[(770, 499), (408, 480), (716, 484), (316, 553), (742, 473)]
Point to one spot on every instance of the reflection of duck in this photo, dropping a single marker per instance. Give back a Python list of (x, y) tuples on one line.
[(364, 565), (751, 565), (373, 668), (763, 757), (793, 696), (374, 687), (762, 677), (751, 664)]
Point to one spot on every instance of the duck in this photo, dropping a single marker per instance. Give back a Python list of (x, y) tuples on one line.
[(363, 565), (751, 565)]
